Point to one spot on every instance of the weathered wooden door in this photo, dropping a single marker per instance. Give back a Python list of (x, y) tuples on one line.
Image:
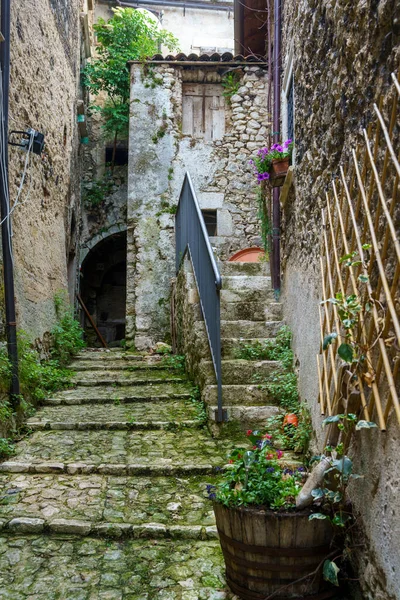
[(203, 109)]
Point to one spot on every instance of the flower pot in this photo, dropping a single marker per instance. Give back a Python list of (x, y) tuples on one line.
[(267, 552), (279, 169)]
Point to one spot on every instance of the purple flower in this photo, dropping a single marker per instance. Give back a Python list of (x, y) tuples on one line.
[(209, 488), (301, 469), (265, 175), (260, 176), (288, 471), (279, 148), (270, 469), (251, 162), (212, 496), (287, 143)]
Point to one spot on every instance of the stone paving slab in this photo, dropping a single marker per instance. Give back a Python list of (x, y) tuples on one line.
[(139, 414), (65, 568), (96, 498), (122, 447), (110, 393)]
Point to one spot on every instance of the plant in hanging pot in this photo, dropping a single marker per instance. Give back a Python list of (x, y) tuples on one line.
[(269, 547), (272, 164)]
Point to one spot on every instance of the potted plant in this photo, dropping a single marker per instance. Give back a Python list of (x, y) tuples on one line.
[(272, 164), (269, 547)]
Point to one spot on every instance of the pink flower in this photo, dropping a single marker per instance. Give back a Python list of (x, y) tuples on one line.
[(279, 454)]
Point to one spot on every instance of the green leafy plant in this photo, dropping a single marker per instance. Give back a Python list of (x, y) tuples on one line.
[(5, 370), (174, 361), (128, 35), (274, 349), (256, 478), (6, 448), (67, 334), (231, 84), (331, 497), (94, 192)]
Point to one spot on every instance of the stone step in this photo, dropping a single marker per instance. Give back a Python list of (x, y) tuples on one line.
[(250, 329), (123, 378), (141, 449), (236, 288), (160, 392), (118, 365), (230, 347), (236, 395), (248, 416), (105, 354), (244, 268), (251, 311), (105, 498), (141, 415), (237, 371), (78, 568)]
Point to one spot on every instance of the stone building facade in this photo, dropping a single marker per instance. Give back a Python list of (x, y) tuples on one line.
[(337, 59), (180, 122), (46, 53)]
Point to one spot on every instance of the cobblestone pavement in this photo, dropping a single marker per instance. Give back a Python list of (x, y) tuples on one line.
[(106, 499)]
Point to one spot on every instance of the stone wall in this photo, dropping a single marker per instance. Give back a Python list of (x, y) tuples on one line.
[(343, 56), (159, 156), (44, 86)]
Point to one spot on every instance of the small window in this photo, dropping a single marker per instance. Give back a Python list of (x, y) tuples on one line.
[(121, 155), (210, 220), (203, 111)]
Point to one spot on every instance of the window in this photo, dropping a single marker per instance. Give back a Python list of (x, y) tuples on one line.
[(288, 104), (203, 111), (121, 155), (210, 220)]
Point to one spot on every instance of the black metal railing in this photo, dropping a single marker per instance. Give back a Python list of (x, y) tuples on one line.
[(192, 238)]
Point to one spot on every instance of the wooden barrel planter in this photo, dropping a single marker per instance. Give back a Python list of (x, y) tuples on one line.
[(266, 552)]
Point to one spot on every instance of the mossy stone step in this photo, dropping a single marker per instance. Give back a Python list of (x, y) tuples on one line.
[(122, 378), (142, 448), (251, 311), (100, 498), (238, 395), (239, 371), (244, 268), (248, 329), (140, 415), (63, 568), (126, 394), (230, 347), (118, 365)]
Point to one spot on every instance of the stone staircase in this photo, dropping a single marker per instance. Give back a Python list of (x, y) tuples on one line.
[(106, 498), (249, 313)]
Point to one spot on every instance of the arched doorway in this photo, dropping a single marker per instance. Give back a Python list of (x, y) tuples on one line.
[(103, 289)]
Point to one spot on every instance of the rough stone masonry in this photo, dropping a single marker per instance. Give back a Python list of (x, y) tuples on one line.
[(169, 136)]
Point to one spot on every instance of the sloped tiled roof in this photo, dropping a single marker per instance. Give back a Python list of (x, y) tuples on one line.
[(226, 57)]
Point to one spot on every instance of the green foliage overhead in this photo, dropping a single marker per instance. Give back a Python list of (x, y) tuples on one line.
[(128, 35)]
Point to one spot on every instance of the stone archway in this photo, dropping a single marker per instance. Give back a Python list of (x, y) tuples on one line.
[(103, 288)]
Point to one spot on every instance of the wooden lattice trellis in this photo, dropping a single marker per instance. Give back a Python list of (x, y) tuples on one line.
[(359, 222)]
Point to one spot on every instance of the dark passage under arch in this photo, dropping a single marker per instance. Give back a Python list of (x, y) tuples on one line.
[(103, 289)]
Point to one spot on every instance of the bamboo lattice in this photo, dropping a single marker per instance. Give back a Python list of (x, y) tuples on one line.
[(361, 221)]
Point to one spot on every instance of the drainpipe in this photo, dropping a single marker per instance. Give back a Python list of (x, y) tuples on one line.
[(276, 209), (11, 326)]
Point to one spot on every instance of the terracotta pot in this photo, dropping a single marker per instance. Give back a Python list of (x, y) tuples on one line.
[(280, 166), (278, 172), (291, 419)]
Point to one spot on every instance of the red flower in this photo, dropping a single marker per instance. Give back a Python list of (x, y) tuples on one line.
[(239, 456), (267, 436), (231, 462), (255, 447), (269, 456), (279, 454), (249, 432)]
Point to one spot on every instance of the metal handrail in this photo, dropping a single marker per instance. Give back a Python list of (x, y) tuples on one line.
[(191, 237)]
